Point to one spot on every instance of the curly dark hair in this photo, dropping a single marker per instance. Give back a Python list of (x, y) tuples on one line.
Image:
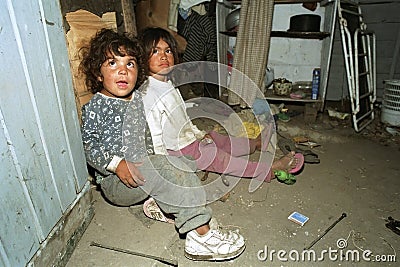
[(107, 41), (149, 37)]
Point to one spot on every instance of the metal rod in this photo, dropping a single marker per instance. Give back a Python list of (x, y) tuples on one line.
[(326, 231), (163, 260)]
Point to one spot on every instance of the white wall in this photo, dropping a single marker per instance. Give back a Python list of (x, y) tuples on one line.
[(293, 58)]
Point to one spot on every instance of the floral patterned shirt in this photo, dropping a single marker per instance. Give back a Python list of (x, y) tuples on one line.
[(114, 129)]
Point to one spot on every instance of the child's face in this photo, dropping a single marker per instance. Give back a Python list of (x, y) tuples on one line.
[(161, 60), (118, 75)]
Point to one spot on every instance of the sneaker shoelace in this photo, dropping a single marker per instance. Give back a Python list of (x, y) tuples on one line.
[(226, 235)]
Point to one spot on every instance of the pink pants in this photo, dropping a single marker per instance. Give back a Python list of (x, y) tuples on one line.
[(226, 155)]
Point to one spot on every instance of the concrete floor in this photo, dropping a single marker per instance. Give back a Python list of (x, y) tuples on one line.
[(359, 174)]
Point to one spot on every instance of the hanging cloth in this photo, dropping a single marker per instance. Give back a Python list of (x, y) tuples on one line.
[(188, 6), (200, 34), (251, 52)]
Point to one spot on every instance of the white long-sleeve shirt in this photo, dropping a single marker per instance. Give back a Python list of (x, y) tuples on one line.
[(169, 123)]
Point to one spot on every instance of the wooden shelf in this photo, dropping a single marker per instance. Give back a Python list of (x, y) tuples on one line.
[(269, 95), (295, 1), (229, 33), (237, 2), (302, 35), (289, 34)]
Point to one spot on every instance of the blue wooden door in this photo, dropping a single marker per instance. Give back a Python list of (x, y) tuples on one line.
[(43, 168)]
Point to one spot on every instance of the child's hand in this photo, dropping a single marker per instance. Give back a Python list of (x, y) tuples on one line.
[(129, 175)]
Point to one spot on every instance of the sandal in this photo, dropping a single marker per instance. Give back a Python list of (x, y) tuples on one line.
[(153, 211), (286, 145), (286, 163), (299, 164)]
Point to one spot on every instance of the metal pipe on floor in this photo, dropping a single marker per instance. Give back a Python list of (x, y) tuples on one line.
[(326, 231), (160, 259)]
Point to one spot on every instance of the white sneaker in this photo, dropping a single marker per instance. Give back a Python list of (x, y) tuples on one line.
[(215, 245), (213, 223)]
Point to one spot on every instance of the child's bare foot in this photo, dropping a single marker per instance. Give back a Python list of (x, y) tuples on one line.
[(285, 163)]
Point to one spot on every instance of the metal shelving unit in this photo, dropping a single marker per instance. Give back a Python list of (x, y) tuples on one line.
[(326, 36)]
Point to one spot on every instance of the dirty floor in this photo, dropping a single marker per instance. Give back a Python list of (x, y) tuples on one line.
[(358, 174)]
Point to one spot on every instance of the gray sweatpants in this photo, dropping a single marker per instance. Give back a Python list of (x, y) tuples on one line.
[(174, 186)]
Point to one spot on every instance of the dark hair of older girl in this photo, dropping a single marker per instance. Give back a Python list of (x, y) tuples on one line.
[(149, 38)]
